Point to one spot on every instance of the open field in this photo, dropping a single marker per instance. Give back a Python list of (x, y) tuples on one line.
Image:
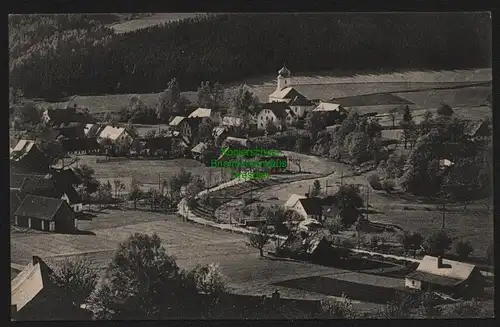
[(149, 171), (153, 20)]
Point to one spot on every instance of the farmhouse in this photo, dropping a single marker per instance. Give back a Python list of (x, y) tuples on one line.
[(206, 113), (45, 213), (27, 157), (36, 296), (457, 279), (116, 134), (188, 129), (80, 146), (277, 113), (284, 90)]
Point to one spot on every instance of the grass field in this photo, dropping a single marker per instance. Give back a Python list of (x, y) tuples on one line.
[(148, 172), (153, 20)]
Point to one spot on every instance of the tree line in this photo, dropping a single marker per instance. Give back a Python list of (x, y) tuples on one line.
[(58, 55)]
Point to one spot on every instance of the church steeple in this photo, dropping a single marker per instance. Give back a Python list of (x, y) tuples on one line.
[(284, 79)]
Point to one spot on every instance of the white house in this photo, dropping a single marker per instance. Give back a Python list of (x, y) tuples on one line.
[(300, 106), (308, 208), (284, 91), (115, 134), (279, 113), (292, 200), (206, 113)]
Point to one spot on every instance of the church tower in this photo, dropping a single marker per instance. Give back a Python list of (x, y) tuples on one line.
[(284, 78)]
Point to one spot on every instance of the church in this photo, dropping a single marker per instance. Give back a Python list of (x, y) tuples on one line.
[(285, 104)]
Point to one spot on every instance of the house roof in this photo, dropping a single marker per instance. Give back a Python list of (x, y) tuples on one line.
[(199, 148), (300, 100), (92, 130), (71, 132), (201, 113), (22, 148), (16, 181), (327, 106), (292, 200), (451, 273), (218, 131), (30, 282), (312, 206), (176, 121), (433, 279), (232, 121), (286, 93), (472, 127), (39, 207), (68, 175), (35, 184), (80, 144), (236, 141), (278, 108), (163, 142), (111, 132)]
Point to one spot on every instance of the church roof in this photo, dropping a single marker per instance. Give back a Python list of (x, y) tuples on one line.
[(284, 71), (286, 93)]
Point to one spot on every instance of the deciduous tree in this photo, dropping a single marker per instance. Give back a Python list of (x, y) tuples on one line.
[(259, 240), (438, 242), (77, 278)]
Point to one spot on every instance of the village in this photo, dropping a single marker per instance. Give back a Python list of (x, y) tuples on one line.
[(314, 220)]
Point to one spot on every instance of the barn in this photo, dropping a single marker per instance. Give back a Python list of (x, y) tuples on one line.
[(456, 279), (45, 213)]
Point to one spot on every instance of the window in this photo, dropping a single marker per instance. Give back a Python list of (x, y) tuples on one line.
[(412, 283)]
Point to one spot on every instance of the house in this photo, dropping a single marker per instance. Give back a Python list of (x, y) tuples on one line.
[(45, 213), (230, 121), (327, 106), (279, 113), (300, 106), (67, 175), (292, 200), (176, 121), (116, 134), (54, 185), (56, 117), (476, 129), (456, 279), (81, 146), (27, 157), (445, 163), (236, 142), (198, 151), (284, 91), (92, 130), (188, 129), (211, 114), (157, 145), (36, 296), (308, 208), (309, 224), (72, 130), (219, 133)]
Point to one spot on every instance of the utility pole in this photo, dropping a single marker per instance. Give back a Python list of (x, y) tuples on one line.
[(367, 199), (444, 213)]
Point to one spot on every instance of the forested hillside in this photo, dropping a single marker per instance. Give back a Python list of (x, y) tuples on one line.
[(53, 56)]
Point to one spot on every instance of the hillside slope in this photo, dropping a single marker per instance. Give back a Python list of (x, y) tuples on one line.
[(76, 55)]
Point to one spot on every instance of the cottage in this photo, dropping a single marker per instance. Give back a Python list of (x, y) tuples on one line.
[(45, 213), (211, 114), (81, 146), (457, 279), (278, 113), (292, 200), (36, 296), (27, 157), (284, 91)]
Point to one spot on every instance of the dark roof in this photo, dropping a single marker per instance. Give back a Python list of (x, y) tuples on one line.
[(433, 279), (38, 185), (67, 175), (72, 132), (39, 207), (278, 108), (312, 206), (192, 122), (16, 181), (300, 100), (158, 142), (15, 201), (370, 100), (80, 144), (444, 110)]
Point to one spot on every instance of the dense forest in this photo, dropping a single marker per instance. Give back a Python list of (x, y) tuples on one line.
[(57, 55)]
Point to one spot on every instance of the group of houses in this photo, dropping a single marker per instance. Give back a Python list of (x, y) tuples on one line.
[(41, 197)]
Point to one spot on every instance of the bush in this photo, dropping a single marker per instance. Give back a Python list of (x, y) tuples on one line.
[(388, 185), (374, 181), (463, 249), (334, 226)]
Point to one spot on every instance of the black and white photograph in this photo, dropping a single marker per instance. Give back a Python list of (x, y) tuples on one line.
[(251, 166)]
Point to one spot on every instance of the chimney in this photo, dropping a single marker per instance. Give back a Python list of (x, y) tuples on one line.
[(440, 262)]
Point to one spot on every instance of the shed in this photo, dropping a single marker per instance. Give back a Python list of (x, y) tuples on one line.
[(45, 213), (454, 278)]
